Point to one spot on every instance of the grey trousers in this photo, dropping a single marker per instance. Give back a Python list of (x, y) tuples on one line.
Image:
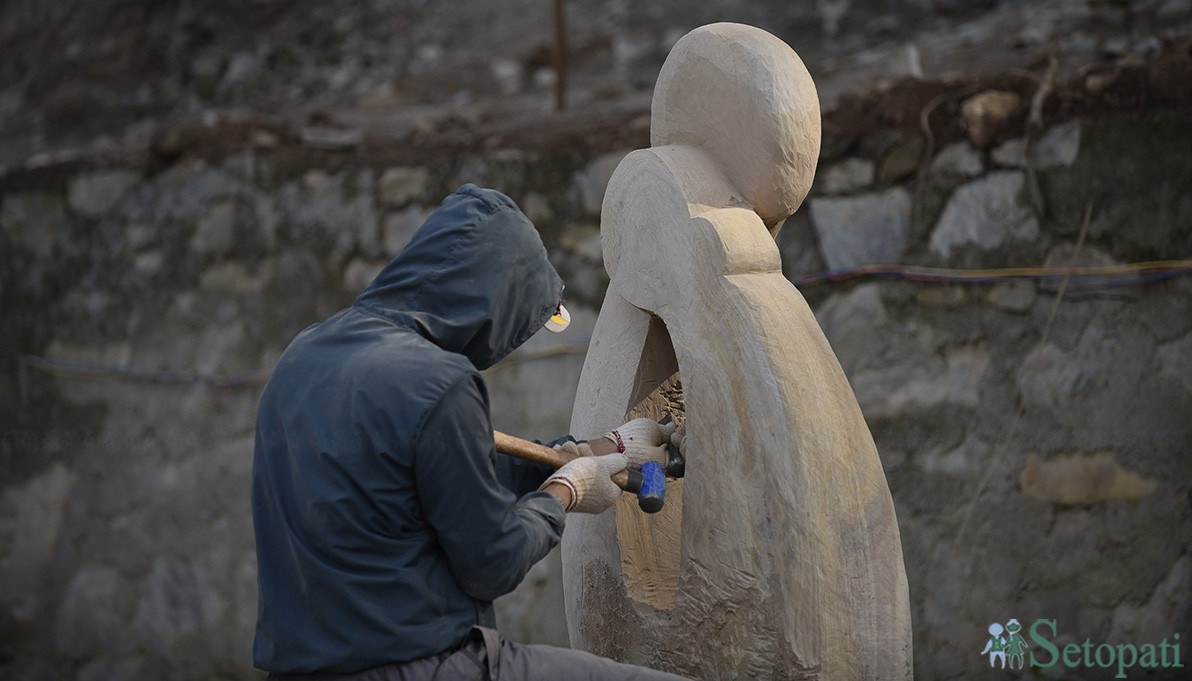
[(485, 657)]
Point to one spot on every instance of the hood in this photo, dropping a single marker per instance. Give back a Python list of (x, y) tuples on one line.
[(474, 279)]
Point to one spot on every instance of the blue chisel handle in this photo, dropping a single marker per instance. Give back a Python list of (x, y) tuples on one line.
[(653, 487)]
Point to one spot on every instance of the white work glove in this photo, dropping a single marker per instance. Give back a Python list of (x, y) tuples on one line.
[(643, 440), (679, 439), (573, 450), (589, 479)]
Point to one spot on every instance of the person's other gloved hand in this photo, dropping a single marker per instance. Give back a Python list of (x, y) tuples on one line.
[(643, 440), (679, 439), (573, 450), (589, 479)]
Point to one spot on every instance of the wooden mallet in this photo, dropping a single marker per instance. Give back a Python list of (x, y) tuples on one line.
[(629, 480)]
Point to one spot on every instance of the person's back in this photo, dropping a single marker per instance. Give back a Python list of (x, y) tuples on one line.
[(386, 523), (355, 566)]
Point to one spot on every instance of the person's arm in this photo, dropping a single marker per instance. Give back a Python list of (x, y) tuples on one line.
[(561, 492), (490, 536), (522, 477), (597, 447)]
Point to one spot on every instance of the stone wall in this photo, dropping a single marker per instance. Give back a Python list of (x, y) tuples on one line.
[(1036, 444)]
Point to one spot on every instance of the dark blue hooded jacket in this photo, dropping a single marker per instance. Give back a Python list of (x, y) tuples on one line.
[(386, 523)]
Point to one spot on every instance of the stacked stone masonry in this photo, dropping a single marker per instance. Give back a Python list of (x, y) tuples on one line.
[(1036, 447)]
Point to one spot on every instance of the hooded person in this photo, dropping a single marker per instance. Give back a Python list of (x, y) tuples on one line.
[(386, 523)]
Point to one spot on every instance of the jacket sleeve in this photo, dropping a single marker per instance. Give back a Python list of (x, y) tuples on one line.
[(491, 537)]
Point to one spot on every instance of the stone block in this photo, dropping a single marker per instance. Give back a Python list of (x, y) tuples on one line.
[(318, 180), (230, 278), (1013, 296), (139, 235), (1175, 359), (905, 388), (1169, 604), (592, 180), (330, 138), (205, 71), (185, 192), (1082, 479), (397, 228), (985, 114), (798, 246), (899, 389), (94, 194), (1056, 148), (959, 159), (860, 309), (852, 322), (359, 274), (149, 263), (537, 208), (400, 185), (862, 230), (966, 371), (91, 621), (987, 213), (941, 297), (1069, 537), (508, 75), (172, 606), (1064, 254), (1047, 378), (848, 176), (833, 147), (265, 211), (31, 531), (1011, 154), (583, 241), (88, 354), (901, 161), (33, 220), (215, 231), (321, 208), (217, 350), (964, 461), (242, 166), (241, 71), (172, 142), (1059, 146)]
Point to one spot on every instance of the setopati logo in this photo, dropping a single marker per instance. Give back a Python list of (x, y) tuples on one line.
[(1007, 648)]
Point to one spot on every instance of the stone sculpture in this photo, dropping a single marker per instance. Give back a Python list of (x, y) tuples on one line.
[(778, 555)]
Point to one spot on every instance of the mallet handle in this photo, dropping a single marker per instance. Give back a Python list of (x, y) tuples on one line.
[(532, 451)]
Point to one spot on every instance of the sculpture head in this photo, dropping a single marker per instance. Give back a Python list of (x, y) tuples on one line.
[(744, 98)]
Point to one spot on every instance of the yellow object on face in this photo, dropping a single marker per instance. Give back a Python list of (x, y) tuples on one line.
[(559, 320)]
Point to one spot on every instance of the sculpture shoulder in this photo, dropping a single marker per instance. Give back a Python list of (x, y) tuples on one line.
[(683, 178)]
